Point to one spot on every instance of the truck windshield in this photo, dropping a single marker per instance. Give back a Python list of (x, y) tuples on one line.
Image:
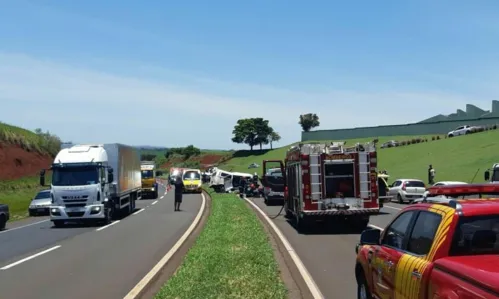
[(476, 235), (75, 176), (147, 174), (192, 175)]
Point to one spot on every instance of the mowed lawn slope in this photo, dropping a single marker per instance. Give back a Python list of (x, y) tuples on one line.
[(456, 158), (242, 159)]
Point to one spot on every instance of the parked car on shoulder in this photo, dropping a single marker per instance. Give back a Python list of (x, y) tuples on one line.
[(407, 190), (391, 143), (462, 130), (40, 204), (4, 215)]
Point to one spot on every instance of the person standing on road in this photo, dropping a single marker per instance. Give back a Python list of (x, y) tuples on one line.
[(431, 175), (179, 190), (242, 187)]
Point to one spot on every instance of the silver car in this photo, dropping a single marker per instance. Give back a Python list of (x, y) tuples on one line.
[(40, 204)]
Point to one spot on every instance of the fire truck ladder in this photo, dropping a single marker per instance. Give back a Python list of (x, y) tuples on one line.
[(364, 175), (315, 177)]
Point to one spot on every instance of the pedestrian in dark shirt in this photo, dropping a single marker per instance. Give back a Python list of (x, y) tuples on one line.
[(242, 187), (431, 175), (179, 190)]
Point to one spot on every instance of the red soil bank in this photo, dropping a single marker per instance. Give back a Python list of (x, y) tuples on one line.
[(15, 162)]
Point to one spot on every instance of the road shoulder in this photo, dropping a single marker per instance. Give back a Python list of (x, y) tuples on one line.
[(176, 260), (290, 275)]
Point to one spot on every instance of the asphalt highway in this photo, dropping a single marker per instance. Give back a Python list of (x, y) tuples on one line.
[(328, 254), (40, 261)]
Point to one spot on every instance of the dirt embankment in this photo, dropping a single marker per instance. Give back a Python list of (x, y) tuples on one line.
[(16, 162)]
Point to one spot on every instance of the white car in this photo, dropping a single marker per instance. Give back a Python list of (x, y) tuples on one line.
[(462, 130), (445, 183), (407, 190)]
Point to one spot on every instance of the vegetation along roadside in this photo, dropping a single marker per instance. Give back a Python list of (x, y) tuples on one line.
[(232, 258)]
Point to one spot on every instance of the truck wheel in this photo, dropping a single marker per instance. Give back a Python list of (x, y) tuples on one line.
[(58, 223), (362, 288), (108, 216), (3, 222), (156, 194)]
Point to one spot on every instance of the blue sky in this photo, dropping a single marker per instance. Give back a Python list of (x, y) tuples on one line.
[(172, 73)]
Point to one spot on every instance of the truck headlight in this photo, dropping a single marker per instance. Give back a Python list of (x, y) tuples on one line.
[(95, 209), (152, 189)]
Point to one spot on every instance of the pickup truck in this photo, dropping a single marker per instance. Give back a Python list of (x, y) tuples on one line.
[(4, 216), (435, 250)]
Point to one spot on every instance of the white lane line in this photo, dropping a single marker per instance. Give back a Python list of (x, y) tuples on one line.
[(106, 226), (149, 276), (19, 227), (314, 289), (390, 207), (154, 202), (141, 210), (162, 197), (30, 258), (377, 227)]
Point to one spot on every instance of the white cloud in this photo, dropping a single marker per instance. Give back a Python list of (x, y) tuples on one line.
[(85, 105)]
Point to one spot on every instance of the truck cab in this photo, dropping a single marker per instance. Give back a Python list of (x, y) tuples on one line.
[(435, 249), (148, 178)]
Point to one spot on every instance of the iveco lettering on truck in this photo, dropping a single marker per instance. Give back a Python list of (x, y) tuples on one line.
[(148, 174), (94, 183), (330, 181)]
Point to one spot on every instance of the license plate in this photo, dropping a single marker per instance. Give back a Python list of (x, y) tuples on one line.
[(41, 210), (73, 210)]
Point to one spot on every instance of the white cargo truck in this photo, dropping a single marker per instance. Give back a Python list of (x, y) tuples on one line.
[(94, 183)]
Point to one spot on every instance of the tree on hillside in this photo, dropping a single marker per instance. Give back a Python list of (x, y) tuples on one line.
[(274, 137), (190, 151), (49, 142), (309, 121), (252, 131), (147, 157)]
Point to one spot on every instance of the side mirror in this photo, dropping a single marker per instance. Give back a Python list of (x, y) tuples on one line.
[(110, 177), (369, 237), (42, 178), (486, 175)]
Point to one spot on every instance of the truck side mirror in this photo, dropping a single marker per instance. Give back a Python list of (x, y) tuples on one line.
[(42, 178), (110, 177), (487, 175)]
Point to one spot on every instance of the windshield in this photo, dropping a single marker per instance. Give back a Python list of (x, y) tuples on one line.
[(147, 174), (476, 235), (414, 184), (495, 175), (75, 176), (43, 194), (192, 175)]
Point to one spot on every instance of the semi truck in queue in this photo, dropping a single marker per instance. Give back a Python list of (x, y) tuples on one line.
[(436, 249), (94, 183), (148, 177), (330, 181)]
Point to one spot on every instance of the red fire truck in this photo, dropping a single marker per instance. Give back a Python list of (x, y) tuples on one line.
[(330, 181)]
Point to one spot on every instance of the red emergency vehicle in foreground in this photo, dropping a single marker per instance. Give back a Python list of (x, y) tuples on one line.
[(330, 180), (445, 247)]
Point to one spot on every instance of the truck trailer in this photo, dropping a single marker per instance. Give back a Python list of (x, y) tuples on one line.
[(94, 183), (330, 182), (148, 176)]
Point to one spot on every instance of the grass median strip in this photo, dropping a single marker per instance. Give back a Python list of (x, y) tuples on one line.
[(232, 258)]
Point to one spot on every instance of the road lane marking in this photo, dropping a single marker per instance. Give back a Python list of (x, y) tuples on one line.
[(314, 289), (106, 226), (141, 210), (390, 207), (19, 227), (30, 257), (149, 276), (154, 202), (162, 197)]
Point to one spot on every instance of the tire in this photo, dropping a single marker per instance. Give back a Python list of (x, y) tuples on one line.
[(467, 132), (58, 223), (3, 222), (108, 216), (450, 135), (32, 214), (362, 288), (399, 198)]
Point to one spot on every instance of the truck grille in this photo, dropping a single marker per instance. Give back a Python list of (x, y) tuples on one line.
[(75, 205), (75, 214)]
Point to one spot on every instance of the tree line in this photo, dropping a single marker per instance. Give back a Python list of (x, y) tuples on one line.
[(258, 132)]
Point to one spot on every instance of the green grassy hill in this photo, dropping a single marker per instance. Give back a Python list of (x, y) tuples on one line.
[(456, 158)]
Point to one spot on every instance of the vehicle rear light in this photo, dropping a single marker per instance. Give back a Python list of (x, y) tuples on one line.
[(403, 186)]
